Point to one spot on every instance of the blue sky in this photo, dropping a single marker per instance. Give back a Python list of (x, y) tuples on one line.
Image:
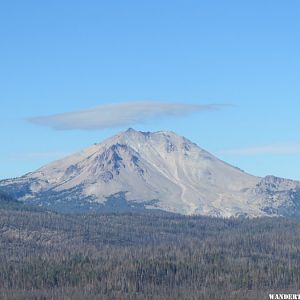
[(63, 56)]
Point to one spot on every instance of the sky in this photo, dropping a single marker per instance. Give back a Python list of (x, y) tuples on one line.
[(224, 74)]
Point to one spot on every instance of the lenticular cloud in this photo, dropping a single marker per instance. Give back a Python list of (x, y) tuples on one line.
[(120, 114)]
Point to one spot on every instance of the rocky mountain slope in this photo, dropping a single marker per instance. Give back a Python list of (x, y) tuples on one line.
[(161, 170)]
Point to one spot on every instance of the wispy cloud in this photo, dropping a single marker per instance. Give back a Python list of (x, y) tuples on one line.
[(272, 149), (120, 114)]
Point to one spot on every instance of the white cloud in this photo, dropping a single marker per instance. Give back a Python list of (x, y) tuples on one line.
[(272, 149), (120, 114)]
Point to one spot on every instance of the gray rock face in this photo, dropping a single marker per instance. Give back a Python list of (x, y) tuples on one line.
[(279, 196), (161, 170)]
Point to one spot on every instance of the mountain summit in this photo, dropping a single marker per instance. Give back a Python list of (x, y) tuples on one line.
[(159, 170)]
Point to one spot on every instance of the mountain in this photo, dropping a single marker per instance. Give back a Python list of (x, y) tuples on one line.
[(142, 170)]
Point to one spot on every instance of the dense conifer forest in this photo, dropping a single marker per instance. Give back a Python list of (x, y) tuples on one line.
[(46, 255)]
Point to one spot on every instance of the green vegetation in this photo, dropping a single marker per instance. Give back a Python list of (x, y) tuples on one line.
[(7, 202), (44, 255)]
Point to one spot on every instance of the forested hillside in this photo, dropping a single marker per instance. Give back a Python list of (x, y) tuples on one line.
[(45, 255)]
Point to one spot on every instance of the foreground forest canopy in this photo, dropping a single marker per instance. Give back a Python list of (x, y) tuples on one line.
[(45, 255)]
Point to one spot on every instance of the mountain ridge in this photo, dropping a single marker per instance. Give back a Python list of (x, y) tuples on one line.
[(155, 170)]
